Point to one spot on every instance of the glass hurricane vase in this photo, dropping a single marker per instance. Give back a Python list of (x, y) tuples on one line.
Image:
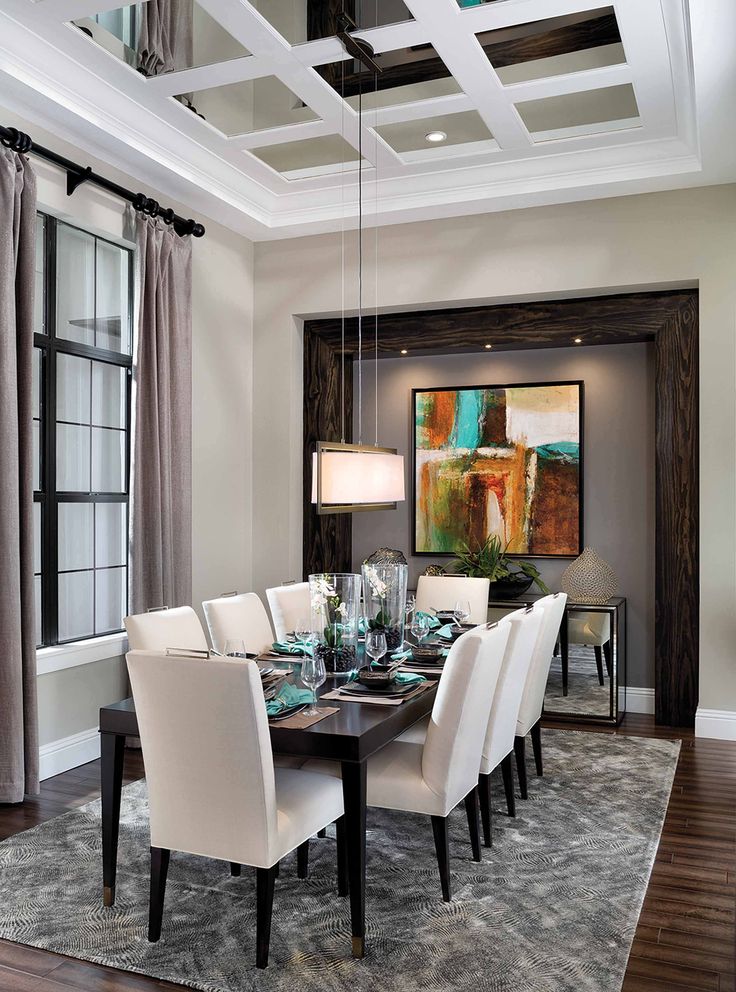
[(335, 607), (384, 601)]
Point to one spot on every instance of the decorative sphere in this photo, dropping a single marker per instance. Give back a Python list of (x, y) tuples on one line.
[(386, 556), (589, 579)]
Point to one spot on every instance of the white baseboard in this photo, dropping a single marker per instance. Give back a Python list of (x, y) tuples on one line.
[(639, 700), (68, 752), (718, 724)]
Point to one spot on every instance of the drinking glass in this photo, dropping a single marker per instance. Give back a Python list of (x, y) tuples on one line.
[(375, 644), (411, 602), (234, 648), (313, 675), (461, 611), (304, 635), (419, 628)]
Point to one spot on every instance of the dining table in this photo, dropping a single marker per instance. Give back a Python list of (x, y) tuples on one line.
[(350, 736)]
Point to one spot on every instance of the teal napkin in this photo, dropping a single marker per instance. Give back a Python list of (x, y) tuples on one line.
[(288, 695), (403, 655), (291, 647), (448, 630), (433, 621)]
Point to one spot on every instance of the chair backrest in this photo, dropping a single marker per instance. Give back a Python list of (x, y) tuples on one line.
[(452, 750), (525, 626), (243, 617), (289, 604), (441, 592), (536, 681), (588, 628), (207, 752), (176, 628)]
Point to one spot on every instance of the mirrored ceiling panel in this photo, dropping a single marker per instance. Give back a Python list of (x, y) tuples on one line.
[(587, 112), (437, 133), (299, 21), (311, 157), (554, 46), (251, 105), (409, 75), (137, 35)]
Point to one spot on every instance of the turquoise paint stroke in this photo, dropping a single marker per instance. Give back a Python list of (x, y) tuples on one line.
[(468, 418), (561, 451)]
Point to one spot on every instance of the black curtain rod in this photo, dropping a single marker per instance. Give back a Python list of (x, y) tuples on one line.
[(19, 142)]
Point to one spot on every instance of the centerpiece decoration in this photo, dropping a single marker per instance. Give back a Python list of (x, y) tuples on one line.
[(335, 601), (384, 600), (489, 560)]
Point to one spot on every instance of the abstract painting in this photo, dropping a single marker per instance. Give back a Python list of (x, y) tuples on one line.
[(502, 460)]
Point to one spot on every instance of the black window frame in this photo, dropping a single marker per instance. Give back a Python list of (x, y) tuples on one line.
[(50, 346)]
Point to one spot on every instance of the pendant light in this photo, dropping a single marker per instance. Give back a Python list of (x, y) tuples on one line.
[(350, 477)]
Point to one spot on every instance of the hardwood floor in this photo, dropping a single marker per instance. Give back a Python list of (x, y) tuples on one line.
[(685, 940)]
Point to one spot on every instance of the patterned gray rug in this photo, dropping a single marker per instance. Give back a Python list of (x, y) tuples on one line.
[(552, 908)]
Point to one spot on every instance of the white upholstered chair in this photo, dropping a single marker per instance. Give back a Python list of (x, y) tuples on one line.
[(289, 604), (532, 700), (179, 627), (441, 592), (434, 776), (243, 617), (216, 793), (593, 630)]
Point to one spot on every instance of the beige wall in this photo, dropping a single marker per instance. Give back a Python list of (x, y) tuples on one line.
[(685, 238), (222, 327)]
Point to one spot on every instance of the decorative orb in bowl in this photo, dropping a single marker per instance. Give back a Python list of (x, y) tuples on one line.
[(377, 678), (427, 653), (511, 587)]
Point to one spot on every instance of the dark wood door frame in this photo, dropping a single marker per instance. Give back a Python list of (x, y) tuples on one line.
[(669, 319)]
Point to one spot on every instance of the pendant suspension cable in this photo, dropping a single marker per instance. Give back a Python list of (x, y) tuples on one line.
[(360, 255), (342, 251), (375, 240)]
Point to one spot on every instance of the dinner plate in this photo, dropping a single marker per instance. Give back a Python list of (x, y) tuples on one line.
[(400, 689), (288, 712)]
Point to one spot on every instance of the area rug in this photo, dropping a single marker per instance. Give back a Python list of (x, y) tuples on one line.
[(552, 907)]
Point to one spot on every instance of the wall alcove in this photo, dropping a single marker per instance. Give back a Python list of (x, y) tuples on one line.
[(669, 319)]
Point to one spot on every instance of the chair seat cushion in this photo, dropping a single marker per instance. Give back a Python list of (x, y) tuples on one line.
[(306, 801), (285, 761), (416, 734)]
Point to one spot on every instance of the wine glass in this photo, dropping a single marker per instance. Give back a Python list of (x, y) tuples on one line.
[(313, 675), (419, 628), (375, 645), (304, 634), (234, 648), (411, 602), (461, 612)]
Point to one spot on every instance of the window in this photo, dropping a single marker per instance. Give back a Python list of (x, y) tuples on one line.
[(82, 369)]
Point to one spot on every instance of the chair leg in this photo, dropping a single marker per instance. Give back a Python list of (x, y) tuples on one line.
[(302, 860), (537, 746), (442, 847), (276, 869), (608, 655), (342, 857), (265, 878), (507, 771), (159, 870), (471, 811), (235, 869), (484, 797), (322, 833), (599, 663), (520, 752)]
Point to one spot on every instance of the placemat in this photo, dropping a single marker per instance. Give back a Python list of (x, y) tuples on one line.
[(300, 721), (345, 697)]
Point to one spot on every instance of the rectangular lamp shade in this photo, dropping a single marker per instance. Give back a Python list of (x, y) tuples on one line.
[(357, 477)]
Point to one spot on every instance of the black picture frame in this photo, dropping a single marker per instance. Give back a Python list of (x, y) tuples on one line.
[(580, 383)]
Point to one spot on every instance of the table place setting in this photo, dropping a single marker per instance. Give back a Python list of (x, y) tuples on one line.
[(382, 684)]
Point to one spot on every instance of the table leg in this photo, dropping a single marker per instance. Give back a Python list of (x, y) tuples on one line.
[(113, 754), (354, 797), (564, 652)]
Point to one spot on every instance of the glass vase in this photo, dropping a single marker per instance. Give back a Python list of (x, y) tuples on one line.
[(384, 601), (335, 607)]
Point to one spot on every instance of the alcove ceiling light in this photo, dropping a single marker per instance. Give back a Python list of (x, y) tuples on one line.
[(351, 477), (436, 137)]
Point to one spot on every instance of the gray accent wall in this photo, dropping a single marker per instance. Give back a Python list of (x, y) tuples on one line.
[(618, 461)]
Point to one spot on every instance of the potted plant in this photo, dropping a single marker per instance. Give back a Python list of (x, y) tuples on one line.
[(489, 560), (334, 599), (384, 600)]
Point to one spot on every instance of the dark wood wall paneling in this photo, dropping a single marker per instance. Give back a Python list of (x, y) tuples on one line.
[(669, 319)]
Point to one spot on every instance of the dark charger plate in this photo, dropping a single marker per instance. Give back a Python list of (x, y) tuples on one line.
[(393, 689)]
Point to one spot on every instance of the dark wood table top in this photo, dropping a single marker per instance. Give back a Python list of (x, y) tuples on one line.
[(352, 734)]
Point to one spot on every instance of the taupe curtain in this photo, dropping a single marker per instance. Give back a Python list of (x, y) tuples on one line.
[(161, 553), (18, 717), (165, 36)]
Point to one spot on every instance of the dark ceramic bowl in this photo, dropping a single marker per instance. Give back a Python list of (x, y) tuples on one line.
[(427, 653), (510, 588), (377, 678)]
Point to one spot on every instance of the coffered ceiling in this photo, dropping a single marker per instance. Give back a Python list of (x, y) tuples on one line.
[(251, 113)]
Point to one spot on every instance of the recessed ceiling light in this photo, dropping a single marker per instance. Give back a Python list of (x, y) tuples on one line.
[(578, 340), (488, 347), (404, 351), (435, 137)]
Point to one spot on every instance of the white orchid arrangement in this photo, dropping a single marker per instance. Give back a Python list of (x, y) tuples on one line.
[(325, 600), (380, 591)]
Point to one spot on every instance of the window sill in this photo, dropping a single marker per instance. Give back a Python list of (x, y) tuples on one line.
[(56, 659)]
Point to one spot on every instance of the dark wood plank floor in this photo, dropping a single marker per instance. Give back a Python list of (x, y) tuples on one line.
[(686, 938)]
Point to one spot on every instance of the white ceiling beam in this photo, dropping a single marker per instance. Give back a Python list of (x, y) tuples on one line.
[(453, 103), (573, 82), (73, 10), (388, 38), (280, 135), (645, 44), (205, 77), (490, 16)]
